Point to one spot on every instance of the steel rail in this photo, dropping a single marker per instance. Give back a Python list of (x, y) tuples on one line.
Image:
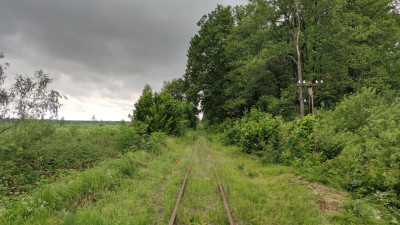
[(221, 190), (175, 212)]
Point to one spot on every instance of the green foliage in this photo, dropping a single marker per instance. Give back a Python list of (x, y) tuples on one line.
[(367, 125), (134, 137), (131, 137), (143, 105), (245, 57), (27, 98), (260, 135), (357, 144), (299, 141), (161, 112), (231, 131), (257, 133), (189, 112), (176, 87), (166, 115), (207, 64)]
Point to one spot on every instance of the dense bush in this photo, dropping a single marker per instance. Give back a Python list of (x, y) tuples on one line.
[(134, 136), (231, 131), (298, 142), (362, 138), (358, 145), (256, 133), (163, 113), (131, 136)]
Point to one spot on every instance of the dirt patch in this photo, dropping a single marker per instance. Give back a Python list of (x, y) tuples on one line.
[(86, 200), (330, 199)]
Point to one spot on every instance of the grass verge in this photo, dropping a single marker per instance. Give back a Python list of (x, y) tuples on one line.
[(272, 194)]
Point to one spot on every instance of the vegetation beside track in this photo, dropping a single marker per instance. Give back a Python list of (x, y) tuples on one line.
[(141, 188), (260, 193), (117, 191)]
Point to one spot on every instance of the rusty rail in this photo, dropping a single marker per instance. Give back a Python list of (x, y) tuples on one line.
[(221, 190), (173, 216)]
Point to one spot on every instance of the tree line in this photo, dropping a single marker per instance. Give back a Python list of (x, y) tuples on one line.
[(246, 56)]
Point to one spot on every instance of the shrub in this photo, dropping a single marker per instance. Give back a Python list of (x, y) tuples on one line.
[(231, 131), (134, 137), (155, 142), (361, 140), (130, 137), (162, 113), (259, 134), (299, 142)]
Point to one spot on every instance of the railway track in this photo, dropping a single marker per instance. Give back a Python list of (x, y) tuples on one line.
[(182, 190)]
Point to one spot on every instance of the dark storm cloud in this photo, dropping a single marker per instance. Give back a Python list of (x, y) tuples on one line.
[(112, 47)]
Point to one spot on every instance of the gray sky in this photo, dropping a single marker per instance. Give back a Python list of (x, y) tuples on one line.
[(101, 53)]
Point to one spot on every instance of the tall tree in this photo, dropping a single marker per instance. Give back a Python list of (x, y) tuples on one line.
[(207, 64), (298, 60), (260, 70)]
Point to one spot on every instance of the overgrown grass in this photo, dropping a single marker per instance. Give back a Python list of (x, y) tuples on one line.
[(119, 191), (37, 152), (273, 194)]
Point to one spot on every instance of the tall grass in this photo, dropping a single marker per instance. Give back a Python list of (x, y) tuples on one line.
[(261, 193), (60, 195), (116, 191)]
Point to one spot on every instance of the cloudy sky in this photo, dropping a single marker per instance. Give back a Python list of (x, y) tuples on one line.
[(100, 52)]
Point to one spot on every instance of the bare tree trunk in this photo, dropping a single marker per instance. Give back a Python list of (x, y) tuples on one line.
[(299, 73)]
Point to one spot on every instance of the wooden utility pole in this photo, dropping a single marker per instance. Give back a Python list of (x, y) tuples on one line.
[(310, 86)]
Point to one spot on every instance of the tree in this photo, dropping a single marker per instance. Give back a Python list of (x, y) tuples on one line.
[(207, 64), (143, 105), (176, 88), (298, 61), (260, 73), (161, 112), (348, 44), (28, 97)]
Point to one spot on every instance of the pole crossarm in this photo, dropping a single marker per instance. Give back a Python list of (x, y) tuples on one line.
[(309, 85)]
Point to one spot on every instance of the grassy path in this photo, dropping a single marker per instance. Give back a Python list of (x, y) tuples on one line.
[(257, 194), (260, 194), (202, 203)]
